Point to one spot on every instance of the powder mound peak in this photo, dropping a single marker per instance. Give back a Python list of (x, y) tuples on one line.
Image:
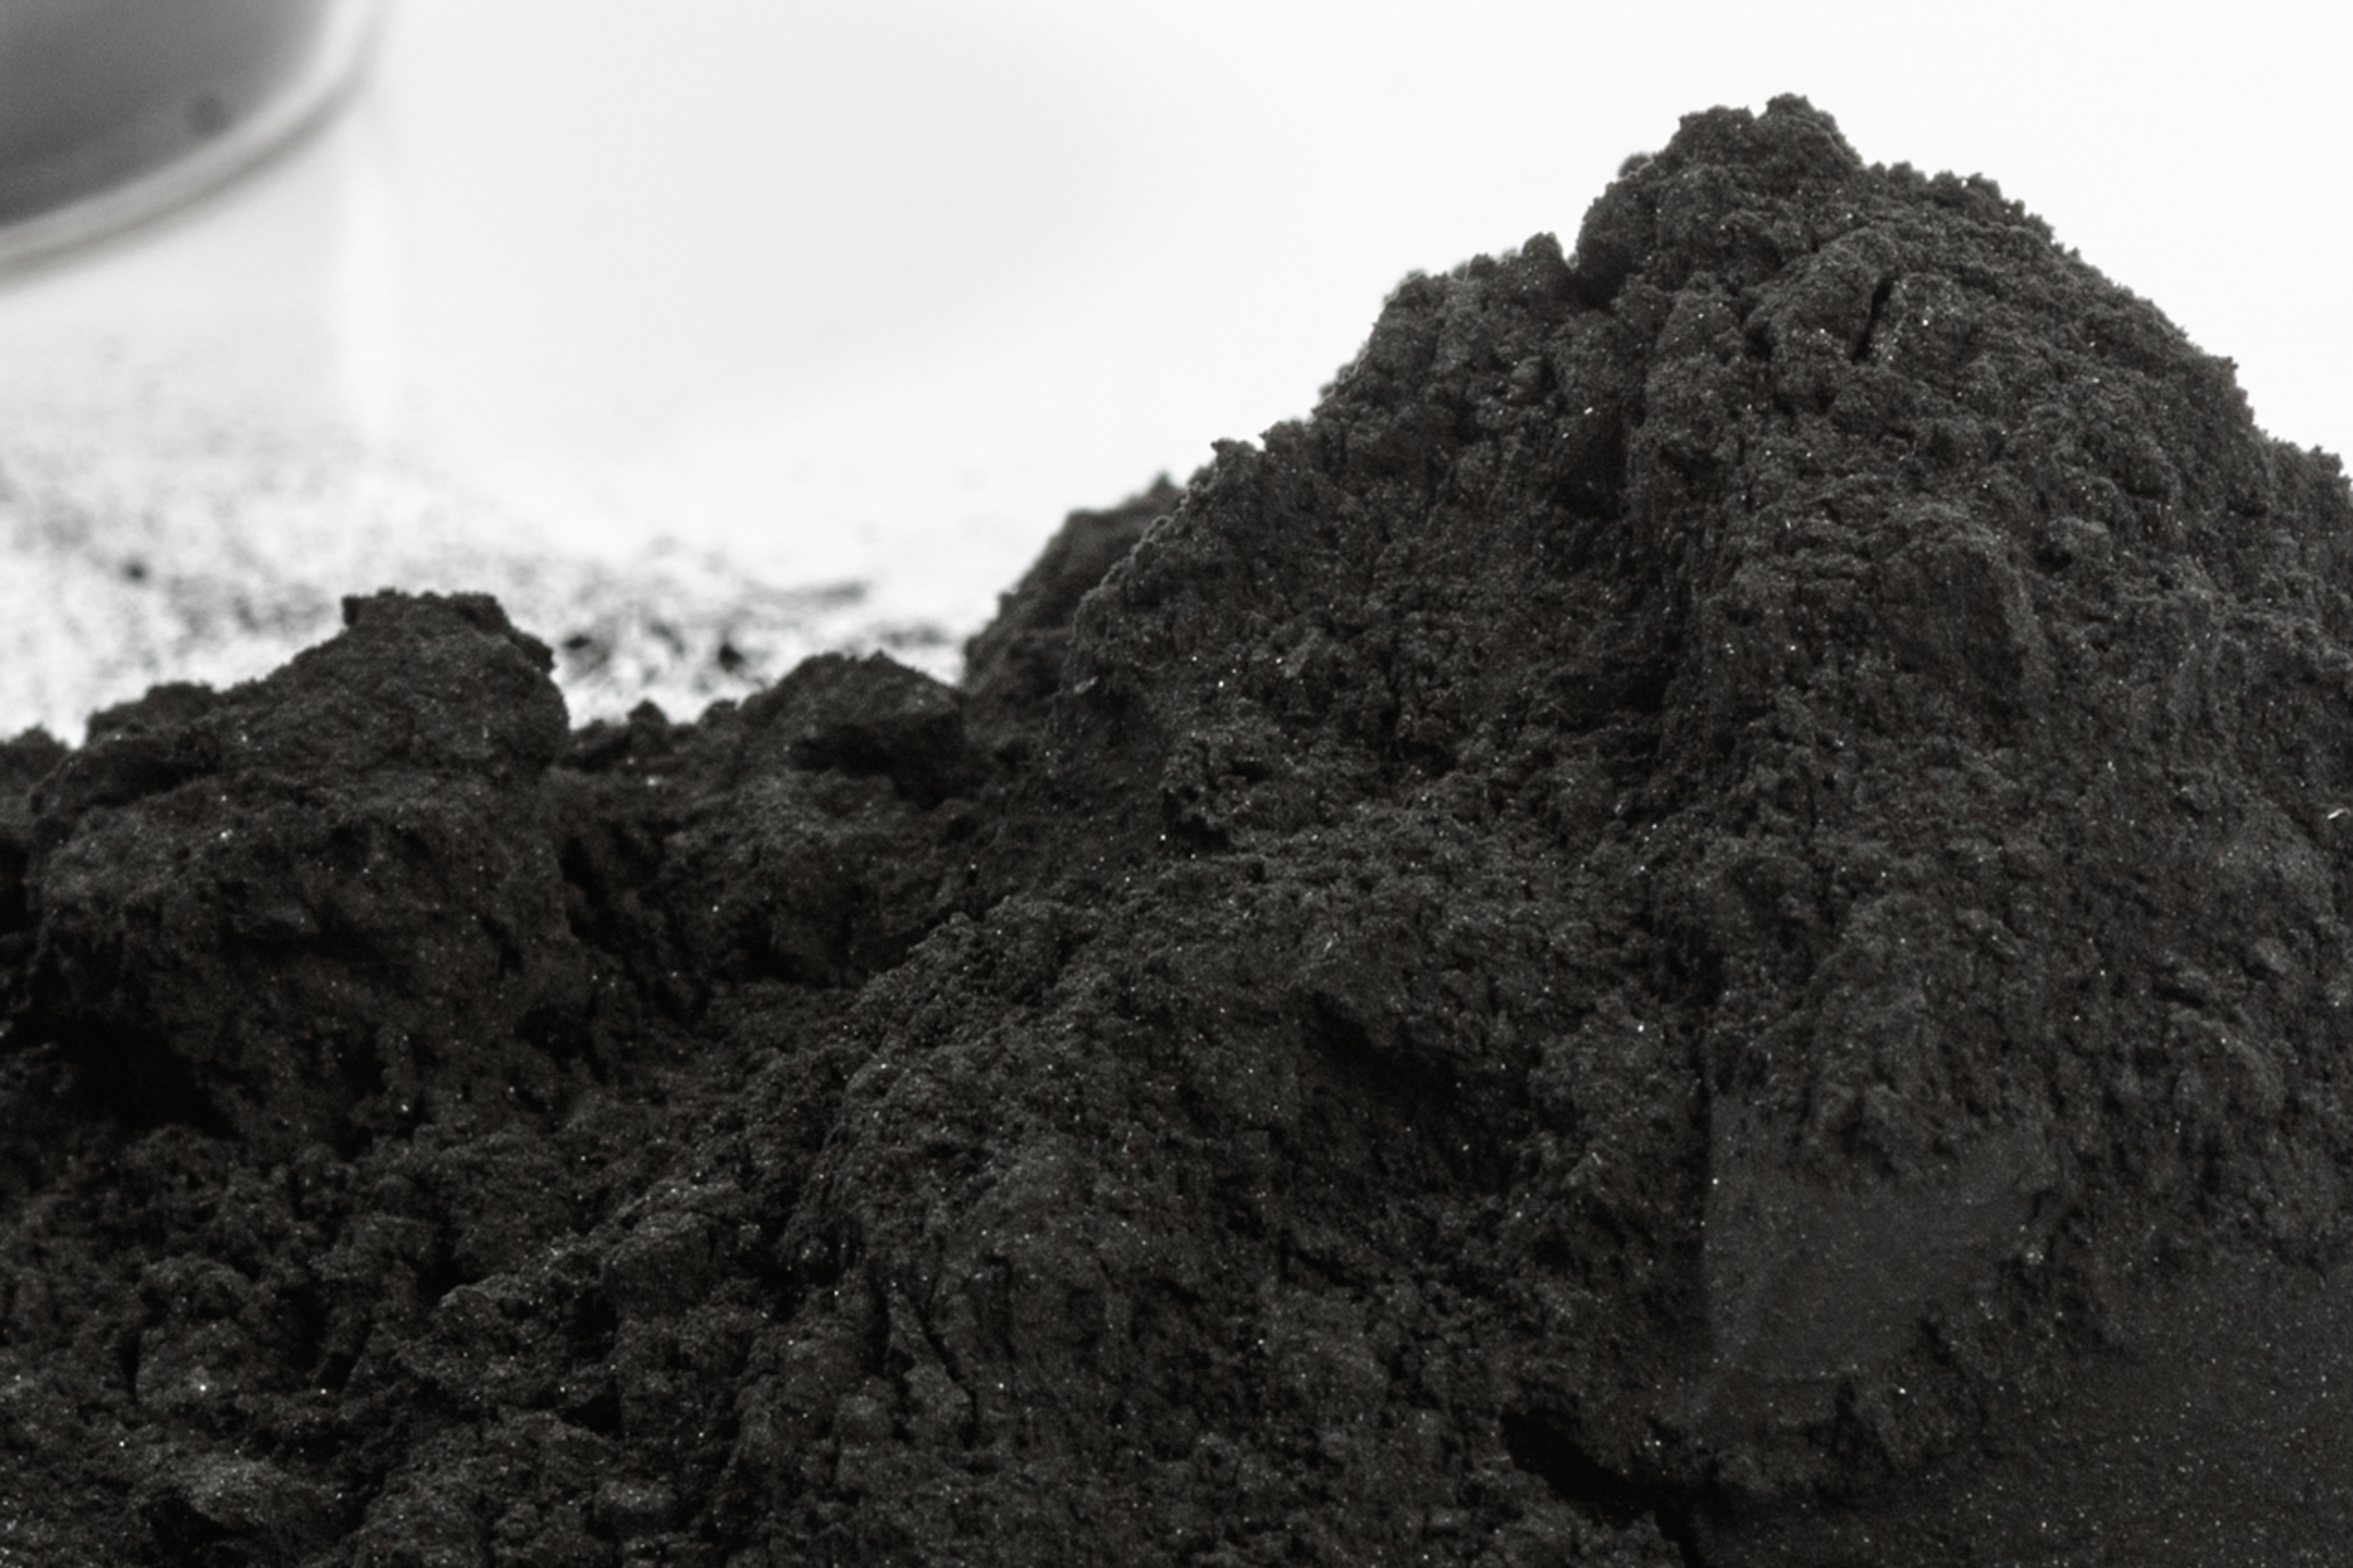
[(1876, 652), (1721, 195)]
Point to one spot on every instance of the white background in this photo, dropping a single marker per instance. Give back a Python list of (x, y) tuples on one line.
[(794, 324)]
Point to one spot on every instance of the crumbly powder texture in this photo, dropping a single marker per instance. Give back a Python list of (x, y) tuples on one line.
[(1702, 923)]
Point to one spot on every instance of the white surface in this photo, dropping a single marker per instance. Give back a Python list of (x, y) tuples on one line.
[(666, 322)]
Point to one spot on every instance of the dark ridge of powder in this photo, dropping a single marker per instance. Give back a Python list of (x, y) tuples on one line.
[(1701, 924)]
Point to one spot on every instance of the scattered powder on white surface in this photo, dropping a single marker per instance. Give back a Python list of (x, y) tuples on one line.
[(212, 554)]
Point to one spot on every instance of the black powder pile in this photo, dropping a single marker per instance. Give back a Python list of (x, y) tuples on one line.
[(1704, 923)]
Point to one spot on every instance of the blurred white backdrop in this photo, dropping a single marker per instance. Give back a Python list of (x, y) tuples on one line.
[(713, 331)]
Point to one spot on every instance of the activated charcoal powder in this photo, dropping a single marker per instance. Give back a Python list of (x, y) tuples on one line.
[(1702, 923)]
